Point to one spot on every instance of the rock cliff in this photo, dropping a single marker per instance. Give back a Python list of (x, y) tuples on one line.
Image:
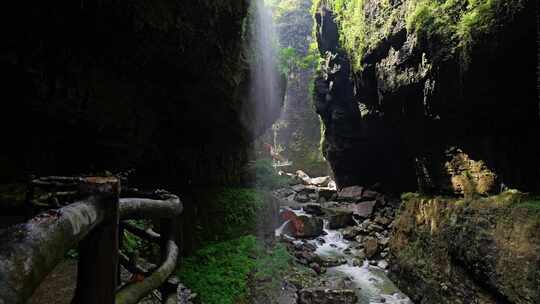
[(439, 96), (460, 251), (160, 86)]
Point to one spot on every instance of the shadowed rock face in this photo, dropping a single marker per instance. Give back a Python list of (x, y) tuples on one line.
[(482, 251), (420, 116), (159, 86)]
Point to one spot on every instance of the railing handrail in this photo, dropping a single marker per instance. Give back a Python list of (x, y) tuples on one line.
[(31, 250)]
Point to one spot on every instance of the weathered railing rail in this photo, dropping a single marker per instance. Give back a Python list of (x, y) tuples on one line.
[(29, 251)]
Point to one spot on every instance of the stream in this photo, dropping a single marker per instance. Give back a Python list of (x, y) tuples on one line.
[(366, 276)]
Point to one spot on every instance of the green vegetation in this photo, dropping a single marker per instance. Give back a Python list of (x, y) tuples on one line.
[(231, 212), (220, 272), (270, 268), (291, 61), (266, 177), (457, 24)]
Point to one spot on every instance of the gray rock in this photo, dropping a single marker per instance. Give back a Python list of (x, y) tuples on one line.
[(363, 209), (321, 295), (371, 247), (353, 193), (302, 198)]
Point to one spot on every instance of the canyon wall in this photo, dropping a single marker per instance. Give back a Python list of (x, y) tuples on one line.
[(439, 97), (160, 86)]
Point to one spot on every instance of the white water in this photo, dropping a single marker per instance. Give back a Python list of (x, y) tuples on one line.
[(264, 73), (371, 283)]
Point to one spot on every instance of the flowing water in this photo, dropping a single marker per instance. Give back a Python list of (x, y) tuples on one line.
[(371, 282), (265, 86)]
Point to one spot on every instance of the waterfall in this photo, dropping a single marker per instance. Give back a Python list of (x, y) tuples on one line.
[(264, 91)]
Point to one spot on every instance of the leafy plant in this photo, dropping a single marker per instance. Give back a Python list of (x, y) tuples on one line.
[(266, 176), (230, 213), (218, 272)]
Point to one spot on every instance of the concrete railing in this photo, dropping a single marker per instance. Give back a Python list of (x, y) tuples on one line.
[(92, 221)]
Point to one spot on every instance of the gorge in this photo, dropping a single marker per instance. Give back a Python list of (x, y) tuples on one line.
[(322, 151)]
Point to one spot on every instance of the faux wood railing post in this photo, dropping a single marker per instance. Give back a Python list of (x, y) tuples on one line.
[(167, 229), (98, 258)]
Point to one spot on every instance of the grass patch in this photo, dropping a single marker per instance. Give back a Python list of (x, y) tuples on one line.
[(228, 213), (220, 272)]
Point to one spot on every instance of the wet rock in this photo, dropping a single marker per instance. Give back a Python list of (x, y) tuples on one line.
[(382, 264), (304, 189), (353, 193), (360, 238), (322, 295), (302, 226), (338, 217), (330, 261), (383, 220), (384, 241), (317, 268), (314, 209), (302, 176), (363, 209), (368, 195), (371, 247), (375, 227), (320, 181), (349, 233), (313, 196), (301, 197), (327, 193)]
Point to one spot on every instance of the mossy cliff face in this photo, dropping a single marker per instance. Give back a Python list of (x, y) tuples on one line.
[(297, 132), (436, 95), (479, 251), (154, 85)]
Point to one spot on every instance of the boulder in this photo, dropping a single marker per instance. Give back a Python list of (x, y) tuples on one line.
[(327, 193), (319, 181), (302, 226), (302, 198), (330, 261), (321, 295), (314, 209), (349, 233), (371, 247), (338, 218), (362, 209), (352, 193), (368, 195), (383, 220)]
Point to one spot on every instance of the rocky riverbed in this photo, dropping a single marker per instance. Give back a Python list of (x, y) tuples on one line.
[(341, 237)]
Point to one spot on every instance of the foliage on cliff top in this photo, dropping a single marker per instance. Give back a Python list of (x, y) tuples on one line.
[(456, 24)]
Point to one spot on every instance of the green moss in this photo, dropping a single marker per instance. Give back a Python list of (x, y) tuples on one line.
[(266, 176), (232, 212), (218, 272), (457, 23)]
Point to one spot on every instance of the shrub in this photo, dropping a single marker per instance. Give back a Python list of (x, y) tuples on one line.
[(266, 176)]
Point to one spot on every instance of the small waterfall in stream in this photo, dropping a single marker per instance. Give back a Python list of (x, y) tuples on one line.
[(371, 282)]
